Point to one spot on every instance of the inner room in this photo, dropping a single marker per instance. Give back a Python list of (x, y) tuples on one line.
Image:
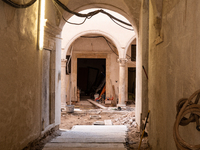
[(91, 74), (93, 70)]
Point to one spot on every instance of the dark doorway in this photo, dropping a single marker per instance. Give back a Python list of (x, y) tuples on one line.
[(90, 74), (131, 84)]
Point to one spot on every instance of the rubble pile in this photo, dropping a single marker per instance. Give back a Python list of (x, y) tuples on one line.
[(127, 119)]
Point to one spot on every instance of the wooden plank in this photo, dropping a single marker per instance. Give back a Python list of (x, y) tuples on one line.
[(114, 101), (96, 104)]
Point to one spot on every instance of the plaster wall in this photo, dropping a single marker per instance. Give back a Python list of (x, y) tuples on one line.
[(173, 68), (58, 80), (52, 43), (142, 60), (22, 71), (20, 77), (144, 47), (131, 64)]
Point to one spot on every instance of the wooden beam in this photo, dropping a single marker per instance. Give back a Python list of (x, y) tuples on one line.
[(96, 104)]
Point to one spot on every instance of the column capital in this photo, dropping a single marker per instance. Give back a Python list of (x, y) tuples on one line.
[(122, 61), (63, 62)]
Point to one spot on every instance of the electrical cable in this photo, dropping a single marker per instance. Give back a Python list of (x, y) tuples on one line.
[(107, 41), (92, 36), (91, 14), (121, 25), (186, 106), (55, 4), (74, 23), (69, 60), (87, 16), (47, 49), (13, 4), (109, 44), (111, 48)]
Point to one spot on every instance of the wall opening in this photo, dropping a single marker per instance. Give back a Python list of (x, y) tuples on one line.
[(131, 84), (91, 74), (98, 39)]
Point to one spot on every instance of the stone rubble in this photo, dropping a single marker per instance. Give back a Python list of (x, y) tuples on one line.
[(127, 119)]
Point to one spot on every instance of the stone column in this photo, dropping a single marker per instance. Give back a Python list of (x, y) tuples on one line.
[(122, 83), (63, 82)]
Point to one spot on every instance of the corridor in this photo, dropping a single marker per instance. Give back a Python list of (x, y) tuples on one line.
[(153, 62)]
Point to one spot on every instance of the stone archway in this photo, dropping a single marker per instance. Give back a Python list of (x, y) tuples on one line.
[(114, 40), (104, 55), (128, 11)]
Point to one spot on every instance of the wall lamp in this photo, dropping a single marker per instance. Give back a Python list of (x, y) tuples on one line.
[(41, 24)]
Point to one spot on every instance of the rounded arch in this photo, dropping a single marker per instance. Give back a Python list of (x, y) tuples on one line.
[(110, 37), (103, 6), (128, 44)]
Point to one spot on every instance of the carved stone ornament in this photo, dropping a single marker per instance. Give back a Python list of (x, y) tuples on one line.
[(122, 61), (63, 62)]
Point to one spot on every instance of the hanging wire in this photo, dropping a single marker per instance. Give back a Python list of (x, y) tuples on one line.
[(86, 16), (121, 25), (107, 41), (55, 4), (91, 14), (16, 5), (69, 59), (109, 44), (73, 22)]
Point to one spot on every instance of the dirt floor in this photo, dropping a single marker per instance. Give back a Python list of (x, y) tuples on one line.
[(88, 115)]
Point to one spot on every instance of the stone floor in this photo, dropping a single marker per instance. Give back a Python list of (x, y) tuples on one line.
[(90, 137)]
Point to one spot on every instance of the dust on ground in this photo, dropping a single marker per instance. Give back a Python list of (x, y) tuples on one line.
[(40, 142), (127, 117)]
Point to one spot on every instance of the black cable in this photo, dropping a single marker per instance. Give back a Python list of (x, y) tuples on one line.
[(121, 25), (90, 14), (111, 16), (65, 19), (47, 49), (11, 3), (109, 43), (75, 13), (74, 23)]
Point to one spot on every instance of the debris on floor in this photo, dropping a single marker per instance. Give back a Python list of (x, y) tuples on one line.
[(108, 122), (107, 116), (99, 123), (90, 138), (95, 117)]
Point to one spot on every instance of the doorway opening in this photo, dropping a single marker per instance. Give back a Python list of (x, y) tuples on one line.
[(131, 84), (91, 74)]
